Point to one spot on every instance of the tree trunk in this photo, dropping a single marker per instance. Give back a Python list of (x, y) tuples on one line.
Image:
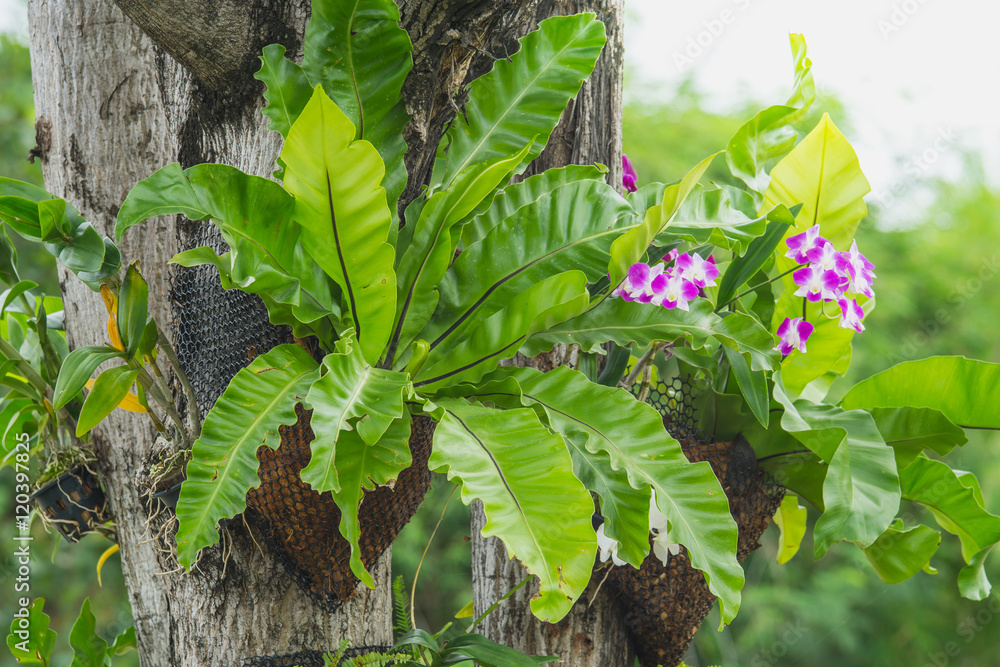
[(594, 633), (113, 106)]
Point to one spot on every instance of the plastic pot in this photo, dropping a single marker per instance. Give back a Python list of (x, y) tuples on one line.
[(72, 502)]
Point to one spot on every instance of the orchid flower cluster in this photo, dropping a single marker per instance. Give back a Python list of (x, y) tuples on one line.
[(828, 276), (662, 547), (669, 286)]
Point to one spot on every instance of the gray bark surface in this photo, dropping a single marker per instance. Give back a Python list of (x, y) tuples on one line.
[(115, 104), (594, 633)]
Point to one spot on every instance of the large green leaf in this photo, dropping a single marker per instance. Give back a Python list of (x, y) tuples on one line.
[(76, 369), (899, 554), (344, 216), (224, 464), (540, 307), (631, 246), (430, 249), (609, 421), (714, 216), (953, 502), (518, 195), (527, 248), (522, 98), (287, 91), (909, 431), (32, 645), (965, 390), (349, 395), (89, 648), (631, 322), (108, 391), (769, 134), (861, 490), (270, 257), (359, 53), (362, 466), (523, 474)]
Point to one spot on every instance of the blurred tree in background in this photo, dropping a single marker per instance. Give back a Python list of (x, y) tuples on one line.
[(939, 293)]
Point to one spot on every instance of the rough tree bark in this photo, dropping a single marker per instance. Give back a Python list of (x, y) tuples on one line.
[(114, 105), (594, 633)]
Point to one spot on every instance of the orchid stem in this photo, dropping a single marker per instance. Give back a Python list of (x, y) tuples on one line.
[(640, 366), (757, 287), (192, 399)]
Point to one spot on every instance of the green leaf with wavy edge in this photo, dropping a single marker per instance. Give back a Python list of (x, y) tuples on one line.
[(89, 649), (361, 56), (51, 214), (899, 554), (254, 216), (540, 307), (629, 322), (953, 502), (431, 249), (823, 174), (124, 643), (630, 247), (714, 216), (344, 216), (21, 215), (516, 196), (523, 474), (287, 90), (77, 368), (109, 389), (625, 508), (81, 251), (965, 390), (10, 295), (770, 134), (350, 394), (752, 384), (791, 521), (758, 253), (610, 421), (909, 431), (38, 641), (133, 308), (522, 98), (223, 466), (527, 248), (972, 580), (362, 466), (861, 490)]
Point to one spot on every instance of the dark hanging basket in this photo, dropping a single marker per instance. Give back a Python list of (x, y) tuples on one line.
[(302, 526), (169, 496), (72, 502), (666, 604)]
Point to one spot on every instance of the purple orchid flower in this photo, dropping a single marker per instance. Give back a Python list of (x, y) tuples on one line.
[(629, 177), (816, 284), (824, 256), (859, 271), (701, 272), (793, 332), (676, 292), (800, 244), (851, 315)]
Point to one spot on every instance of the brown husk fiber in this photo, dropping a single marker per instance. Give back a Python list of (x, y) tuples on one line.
[(665, 604), (302, 525)]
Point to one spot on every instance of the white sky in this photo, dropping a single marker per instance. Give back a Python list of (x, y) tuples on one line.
[(909, 71)]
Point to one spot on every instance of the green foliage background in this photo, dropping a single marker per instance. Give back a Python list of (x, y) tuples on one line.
[(939, 292)]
